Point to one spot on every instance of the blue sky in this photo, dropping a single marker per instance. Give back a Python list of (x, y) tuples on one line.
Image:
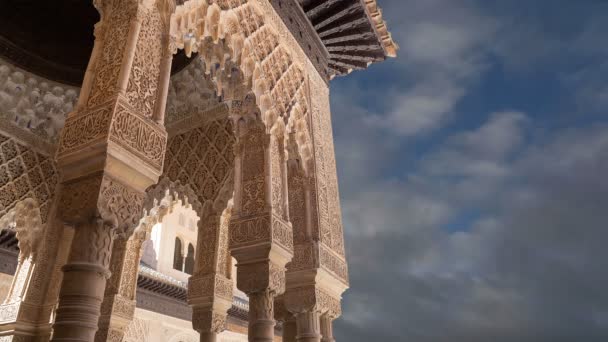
[(473, 174)]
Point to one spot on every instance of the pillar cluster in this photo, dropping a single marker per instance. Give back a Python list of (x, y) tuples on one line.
[(273, 206)]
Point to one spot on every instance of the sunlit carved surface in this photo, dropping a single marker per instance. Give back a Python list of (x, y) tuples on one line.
[(211, 117)]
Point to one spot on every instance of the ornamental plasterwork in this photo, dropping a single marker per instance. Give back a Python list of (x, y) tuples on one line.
[(327, 209), (190, 92), (25, 173), (236, 39), (137, 331), (34, 103), (202, 158)]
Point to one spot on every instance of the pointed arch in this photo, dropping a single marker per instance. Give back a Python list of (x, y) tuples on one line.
[(243, 52), (178, 257)]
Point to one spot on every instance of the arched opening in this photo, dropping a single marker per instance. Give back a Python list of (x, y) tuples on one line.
[(178, 258), (189, 263)]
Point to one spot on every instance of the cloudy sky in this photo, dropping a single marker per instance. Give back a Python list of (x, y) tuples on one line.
[(473, 175)]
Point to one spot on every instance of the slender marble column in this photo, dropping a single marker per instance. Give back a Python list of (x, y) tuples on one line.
[(260, 233), (327, 329), (261, 316), (84, 282), (290, 330), (208, 337), (163, 84), (308, 326)]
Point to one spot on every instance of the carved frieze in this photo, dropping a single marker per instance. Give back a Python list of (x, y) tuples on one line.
[(139, 135), (85, 128), (249, 231), (333, 263)]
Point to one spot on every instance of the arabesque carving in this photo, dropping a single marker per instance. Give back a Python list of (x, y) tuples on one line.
[(249, 106), (237, 41), (25, 173)]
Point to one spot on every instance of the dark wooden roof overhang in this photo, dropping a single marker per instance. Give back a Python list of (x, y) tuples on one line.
[(352, 32)]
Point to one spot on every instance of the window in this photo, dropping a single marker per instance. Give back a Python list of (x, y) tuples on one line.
[(178, 258), (189, 266)]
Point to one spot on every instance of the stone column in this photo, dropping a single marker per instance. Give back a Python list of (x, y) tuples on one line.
[(109, 152), (260, 234), (290, 330), (327, 328), (87, 82), (317, 276), (210, 288), (308, 326), (163, 84), (26, 312), (261, 316), (118, 306), (84, 282), (289, 321)]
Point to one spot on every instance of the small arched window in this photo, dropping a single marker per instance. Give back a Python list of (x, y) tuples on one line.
[(178, 258), (189, 266)]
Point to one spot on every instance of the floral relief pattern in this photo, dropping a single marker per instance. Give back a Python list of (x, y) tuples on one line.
[(143, 81), (115, 34)]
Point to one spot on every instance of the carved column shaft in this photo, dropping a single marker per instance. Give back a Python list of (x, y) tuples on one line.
[(129, 54), (163, 84), (110, 151), (209, 289), (260, 233), (87, 82)]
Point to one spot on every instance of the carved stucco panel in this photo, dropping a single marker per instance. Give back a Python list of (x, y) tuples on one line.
[(328, 200), (115, 33), (25, 173)]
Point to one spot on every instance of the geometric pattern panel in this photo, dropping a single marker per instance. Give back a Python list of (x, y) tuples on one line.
[(202, 158), (25, 173)]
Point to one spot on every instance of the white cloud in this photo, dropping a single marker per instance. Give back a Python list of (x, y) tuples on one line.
[(528, 262), (444, 50), (497, 280)]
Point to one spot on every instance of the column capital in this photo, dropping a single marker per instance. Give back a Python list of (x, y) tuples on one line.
[(104, 200)]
